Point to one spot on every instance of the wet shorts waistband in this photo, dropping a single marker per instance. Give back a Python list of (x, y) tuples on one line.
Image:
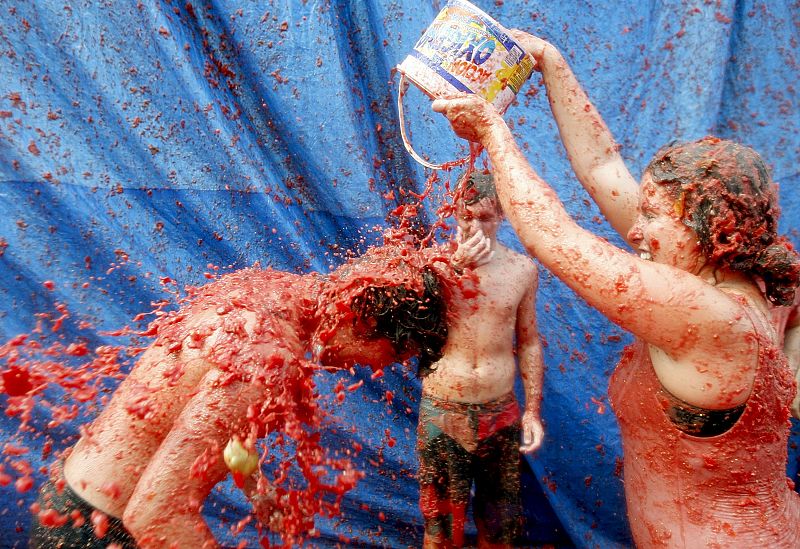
[(493, 405)]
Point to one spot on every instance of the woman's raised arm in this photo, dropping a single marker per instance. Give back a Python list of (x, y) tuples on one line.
[(591, 148), (667, 307)]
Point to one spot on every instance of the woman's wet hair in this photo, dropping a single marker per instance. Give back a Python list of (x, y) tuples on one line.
[(410, 319), (724, 192)]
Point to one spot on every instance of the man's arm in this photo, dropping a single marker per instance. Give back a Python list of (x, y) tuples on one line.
[(791, 346), (591, 148), (531, 367), (165, 508)]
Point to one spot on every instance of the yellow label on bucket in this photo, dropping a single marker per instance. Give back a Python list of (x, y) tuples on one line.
[(465, 50)]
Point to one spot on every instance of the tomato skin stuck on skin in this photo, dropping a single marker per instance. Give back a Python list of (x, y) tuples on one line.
[(241, 461)]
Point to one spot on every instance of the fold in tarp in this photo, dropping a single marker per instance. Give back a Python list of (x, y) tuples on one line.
[(154, 139)]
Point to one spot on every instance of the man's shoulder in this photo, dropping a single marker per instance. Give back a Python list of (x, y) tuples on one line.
[(520, 261)]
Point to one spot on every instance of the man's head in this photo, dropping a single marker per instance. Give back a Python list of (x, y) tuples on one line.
[(477, 205), (413, 321), (383, 307)]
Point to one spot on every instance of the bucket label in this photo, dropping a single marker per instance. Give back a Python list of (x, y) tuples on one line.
[(463, 50), (473, 53)]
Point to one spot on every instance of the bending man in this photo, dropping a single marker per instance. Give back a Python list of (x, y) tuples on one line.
[(231, 364)]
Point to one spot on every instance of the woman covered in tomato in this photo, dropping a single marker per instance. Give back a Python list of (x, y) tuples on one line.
[(702, 396)]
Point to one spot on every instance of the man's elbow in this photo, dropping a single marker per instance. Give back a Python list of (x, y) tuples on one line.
[(530, 351)]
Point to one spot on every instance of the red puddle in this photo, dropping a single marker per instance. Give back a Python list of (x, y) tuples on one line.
[(231, 319)]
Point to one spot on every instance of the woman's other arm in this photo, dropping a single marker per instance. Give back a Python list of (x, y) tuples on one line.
[(591, 148)]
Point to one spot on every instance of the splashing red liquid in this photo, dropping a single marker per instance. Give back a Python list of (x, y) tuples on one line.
[(305, 478)]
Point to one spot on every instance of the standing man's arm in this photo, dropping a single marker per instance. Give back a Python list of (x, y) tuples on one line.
[(791, 346), (531, 367)]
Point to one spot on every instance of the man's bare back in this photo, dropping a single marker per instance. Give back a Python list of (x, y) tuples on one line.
[(139, 459), (235, 361)]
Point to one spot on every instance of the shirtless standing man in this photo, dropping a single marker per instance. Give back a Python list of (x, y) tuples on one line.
[(469, 424)]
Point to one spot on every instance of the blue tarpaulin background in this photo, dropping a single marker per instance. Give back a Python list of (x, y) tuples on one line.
[(142, 140)]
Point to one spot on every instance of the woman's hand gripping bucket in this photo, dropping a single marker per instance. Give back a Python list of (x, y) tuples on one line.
[(463, 51)]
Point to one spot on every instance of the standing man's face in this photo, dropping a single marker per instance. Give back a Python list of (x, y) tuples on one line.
[(483, 215)]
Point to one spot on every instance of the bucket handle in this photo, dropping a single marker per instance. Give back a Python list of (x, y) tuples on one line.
[(401, 90)]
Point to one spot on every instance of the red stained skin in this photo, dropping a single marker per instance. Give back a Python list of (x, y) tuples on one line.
[(655, 244), (738, 494), (230, 322)]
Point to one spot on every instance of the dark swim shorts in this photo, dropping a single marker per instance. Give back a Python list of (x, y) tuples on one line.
[(69, 536), (459, 444)]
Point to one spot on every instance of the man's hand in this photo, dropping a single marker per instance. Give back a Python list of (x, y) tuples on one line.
[(532, 433), (470, 115), (472, 252)]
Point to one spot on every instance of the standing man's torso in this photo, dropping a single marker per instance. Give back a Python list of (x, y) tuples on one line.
[(478, 364)]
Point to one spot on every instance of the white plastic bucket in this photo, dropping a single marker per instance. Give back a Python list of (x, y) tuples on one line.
[(464, 50)]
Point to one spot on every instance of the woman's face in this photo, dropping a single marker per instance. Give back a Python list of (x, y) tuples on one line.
[(659, 234)]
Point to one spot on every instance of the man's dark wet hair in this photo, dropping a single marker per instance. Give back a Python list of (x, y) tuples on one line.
[(476, 185), (409, 320)]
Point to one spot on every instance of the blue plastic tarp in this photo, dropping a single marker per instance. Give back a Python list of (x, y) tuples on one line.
[(158, 139)]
